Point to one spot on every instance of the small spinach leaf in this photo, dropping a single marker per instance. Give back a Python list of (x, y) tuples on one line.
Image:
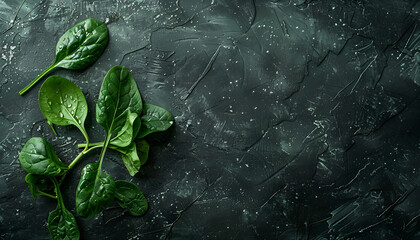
[(94, 192), (63, 103), (130, 158), (143, 150), (38, 183), (61, 223), (78, 48), (118, 94), (127, 133), (131, 198), (38, 157), (154, 119)]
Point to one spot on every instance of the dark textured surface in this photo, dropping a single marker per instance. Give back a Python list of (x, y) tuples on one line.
[(303, 124)]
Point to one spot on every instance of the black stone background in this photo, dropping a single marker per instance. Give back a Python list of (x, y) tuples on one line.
[(304, 127)]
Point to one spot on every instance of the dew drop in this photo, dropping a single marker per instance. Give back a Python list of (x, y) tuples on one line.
[(61, 114), (49, 103)]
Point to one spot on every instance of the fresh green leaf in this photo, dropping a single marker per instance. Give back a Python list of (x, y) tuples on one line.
[(143, 150), (130, 158), (118, 94), (154, 119), (81, 45), (131, 198), (94, 192), (63, 103), (38, 183), (127, 133), (38, 157), (61, 223), (78, 48)]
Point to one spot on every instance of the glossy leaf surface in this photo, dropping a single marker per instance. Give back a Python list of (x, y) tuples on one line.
[(154, 119), (81, 45), (62, 102), (78, 48), (118, 94), (143, 150), (62, 224), (38, 157), (94, 192), (131, 198), (127, 133)]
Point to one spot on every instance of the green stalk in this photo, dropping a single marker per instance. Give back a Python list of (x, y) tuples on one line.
[(105, 146), (82, 129), (47, 194), (77, 159), (23, 91), (52, 127), (81, 154), (84, 145), (57, 191)]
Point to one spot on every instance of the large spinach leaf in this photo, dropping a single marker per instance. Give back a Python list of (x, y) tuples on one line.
[(118, 94), (78, 48), (38, 157), (130, 198), (63, 103), (154, 119), (94, 192)]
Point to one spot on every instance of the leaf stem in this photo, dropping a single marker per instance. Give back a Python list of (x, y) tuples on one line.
[(58, 193), (82, 129), (84, 145), (52, 127), (81, 154), (47, 194), (30, 85), (104, 147)]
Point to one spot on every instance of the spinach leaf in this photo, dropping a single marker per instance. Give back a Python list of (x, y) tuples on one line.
[(63, 103), (130, 158), (94, 192), (143, 150), (154, 119), (118, 94), (38, 184), (127, 133), (78, 48), (38, 157), (61, 223), (130, 198)]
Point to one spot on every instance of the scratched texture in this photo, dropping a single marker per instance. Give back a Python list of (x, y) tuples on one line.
[(294, 119)]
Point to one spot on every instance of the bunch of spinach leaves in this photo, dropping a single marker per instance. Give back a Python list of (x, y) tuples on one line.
[(119, 110)]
